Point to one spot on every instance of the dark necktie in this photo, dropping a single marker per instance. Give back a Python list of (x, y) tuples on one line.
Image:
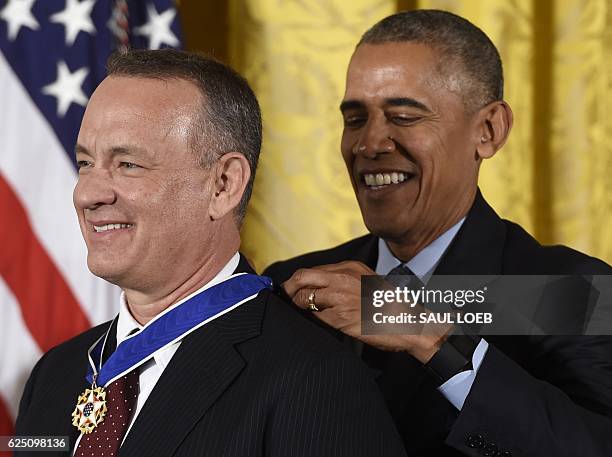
[(106, 438)]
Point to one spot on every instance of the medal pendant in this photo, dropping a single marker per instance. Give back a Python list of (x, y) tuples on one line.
[(90, 409)]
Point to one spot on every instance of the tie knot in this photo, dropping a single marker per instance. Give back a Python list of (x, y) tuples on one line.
[(401, 269), (402, 276)]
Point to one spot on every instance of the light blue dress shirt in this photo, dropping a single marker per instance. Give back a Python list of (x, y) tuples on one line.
[(457, 388)]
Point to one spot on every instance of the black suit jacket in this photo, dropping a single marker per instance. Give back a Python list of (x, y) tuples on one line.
[(532, 396), (257, 381)]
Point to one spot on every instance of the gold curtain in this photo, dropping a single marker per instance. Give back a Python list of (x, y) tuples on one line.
[(553, 176), (295, 54)]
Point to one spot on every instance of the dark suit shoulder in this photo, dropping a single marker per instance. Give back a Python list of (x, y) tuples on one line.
[(61, 369), (68, 354), (284, 322), (525, 255), (355, 249), (306, 378), (75, 347)]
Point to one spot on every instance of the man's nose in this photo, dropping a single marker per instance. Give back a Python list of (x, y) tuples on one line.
[(94, 189), (375, 139)]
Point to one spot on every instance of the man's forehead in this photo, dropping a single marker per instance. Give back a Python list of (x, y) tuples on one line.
[(153, 94), (121, 99), (395, 70), (391, 64), (129, 110), (407, 54)]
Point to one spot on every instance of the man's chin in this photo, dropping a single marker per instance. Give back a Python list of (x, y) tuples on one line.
[(107, 271), (387, 228), (384, 231)]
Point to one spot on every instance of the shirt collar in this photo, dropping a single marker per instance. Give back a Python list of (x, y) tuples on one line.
[(424, 263), (126, 323)]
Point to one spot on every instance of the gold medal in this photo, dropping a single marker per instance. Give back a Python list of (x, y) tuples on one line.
[(90, 409)]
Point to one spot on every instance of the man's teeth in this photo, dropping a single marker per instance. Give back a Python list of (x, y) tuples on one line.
[(382, 179), (104, 228)]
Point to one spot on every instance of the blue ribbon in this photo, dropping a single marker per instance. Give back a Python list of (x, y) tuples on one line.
[(173, 324)]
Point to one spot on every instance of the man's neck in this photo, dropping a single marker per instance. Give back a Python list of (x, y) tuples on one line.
[(407, 248), (422, 264), (144, 307), (410, 244)]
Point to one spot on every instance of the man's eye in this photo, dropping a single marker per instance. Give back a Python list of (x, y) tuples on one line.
[(128, 165), (354, 121), (83, 164), (404, 120)]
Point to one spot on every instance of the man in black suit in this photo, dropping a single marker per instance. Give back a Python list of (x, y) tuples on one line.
[(202, 359), (423, 108)]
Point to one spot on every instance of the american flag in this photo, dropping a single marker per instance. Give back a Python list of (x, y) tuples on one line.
[(52, 56)]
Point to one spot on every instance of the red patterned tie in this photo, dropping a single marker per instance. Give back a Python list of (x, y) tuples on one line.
[(106, 438)]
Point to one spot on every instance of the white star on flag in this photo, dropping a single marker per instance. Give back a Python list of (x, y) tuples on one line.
[(75, 17), (18, 13), (157, 28), (67, 87)]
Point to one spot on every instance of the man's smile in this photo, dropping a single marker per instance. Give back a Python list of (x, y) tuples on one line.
[(385, 178), (107, 227)]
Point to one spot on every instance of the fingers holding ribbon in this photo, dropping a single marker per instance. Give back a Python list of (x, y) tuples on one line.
[(332, 292)]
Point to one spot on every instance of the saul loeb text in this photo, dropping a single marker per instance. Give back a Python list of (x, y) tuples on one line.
[(427, 317)]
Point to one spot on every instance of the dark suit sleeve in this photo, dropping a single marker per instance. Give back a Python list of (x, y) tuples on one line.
[(562, 406), (336, 410)]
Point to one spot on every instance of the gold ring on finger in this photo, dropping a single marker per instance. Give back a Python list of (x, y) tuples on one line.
[(312, 306)]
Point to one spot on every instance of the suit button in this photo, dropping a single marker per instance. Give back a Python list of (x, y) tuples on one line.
[(475, 441), (490, 450)]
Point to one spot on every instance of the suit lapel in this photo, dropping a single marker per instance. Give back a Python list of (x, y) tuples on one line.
[(201, 370), (367, 252), (478, 247)]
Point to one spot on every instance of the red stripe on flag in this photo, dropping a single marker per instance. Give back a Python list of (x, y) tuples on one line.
[(50, 310), (6, 425)]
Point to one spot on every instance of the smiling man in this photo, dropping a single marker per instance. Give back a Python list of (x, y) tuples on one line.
[(423, 108), (202, 359)]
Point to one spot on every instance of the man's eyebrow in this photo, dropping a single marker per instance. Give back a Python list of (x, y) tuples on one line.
[(395, 101), (125, 150), (350, 104), (406, 101), (117, 150), (79, 149)]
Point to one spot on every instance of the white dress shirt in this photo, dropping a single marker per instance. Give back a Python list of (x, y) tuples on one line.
[(457, 388)]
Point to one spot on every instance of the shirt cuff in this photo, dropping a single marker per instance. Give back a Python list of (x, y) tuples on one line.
[(457, 388)]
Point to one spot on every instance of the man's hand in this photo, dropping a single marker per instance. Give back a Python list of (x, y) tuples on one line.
[(338, 295)]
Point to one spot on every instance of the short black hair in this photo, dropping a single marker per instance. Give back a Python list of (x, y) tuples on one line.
[(461, 45), (230, 119)]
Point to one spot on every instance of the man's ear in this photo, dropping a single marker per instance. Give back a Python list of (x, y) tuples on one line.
[(231, 175), (494, 124)]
